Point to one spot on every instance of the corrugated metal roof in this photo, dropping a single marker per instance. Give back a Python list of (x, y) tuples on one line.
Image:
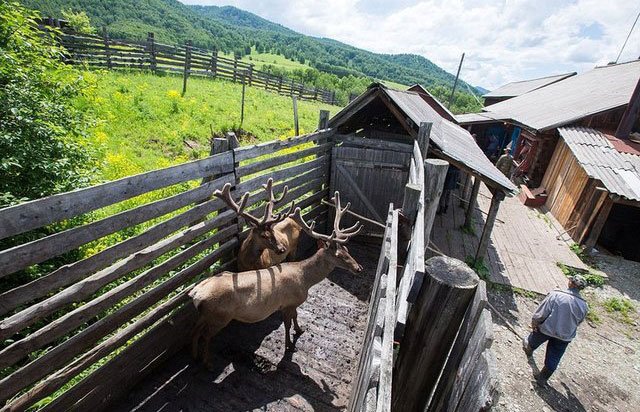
[(618, 172), (524, 86), (476, 118), (568, 100), (454, 141)]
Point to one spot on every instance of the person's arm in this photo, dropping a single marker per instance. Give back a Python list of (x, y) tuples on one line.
[(543, 311)]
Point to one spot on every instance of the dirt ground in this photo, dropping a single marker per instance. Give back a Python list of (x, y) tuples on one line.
[(600, 370)]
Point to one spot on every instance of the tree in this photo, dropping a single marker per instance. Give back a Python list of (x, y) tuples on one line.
[(43, 148), (79, 21)]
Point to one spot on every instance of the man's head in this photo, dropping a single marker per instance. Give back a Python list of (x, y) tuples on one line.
[(577, 282)]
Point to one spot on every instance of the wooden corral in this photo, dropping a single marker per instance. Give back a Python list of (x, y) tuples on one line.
[(186, 60), (91, 330)]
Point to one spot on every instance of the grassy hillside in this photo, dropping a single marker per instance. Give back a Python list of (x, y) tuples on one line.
[(145, 124), (235, 31)]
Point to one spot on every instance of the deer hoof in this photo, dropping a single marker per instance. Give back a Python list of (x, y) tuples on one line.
[(299, 331)]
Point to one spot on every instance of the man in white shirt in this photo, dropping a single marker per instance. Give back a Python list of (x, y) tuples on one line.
[(556, 321)]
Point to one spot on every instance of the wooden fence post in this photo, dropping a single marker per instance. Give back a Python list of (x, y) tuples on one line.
[(435, 171), (432, 326), (151, 49), (214, 63), (323, 122), (242, 106), (466, 188), (105, 37), (266, 82), (187, 67), (295, 116), (235, 68), (424, 135), (280, 84), (471, 205), (250, 75), (333, 97), (483, 245)]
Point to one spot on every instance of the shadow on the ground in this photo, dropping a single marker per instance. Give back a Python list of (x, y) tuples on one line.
[(622, 273), (555, 399)]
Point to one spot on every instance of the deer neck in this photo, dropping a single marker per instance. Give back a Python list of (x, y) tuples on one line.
[(316, 268), (250, 248)]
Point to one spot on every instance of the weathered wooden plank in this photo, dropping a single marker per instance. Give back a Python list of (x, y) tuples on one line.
[(77, 317), (69, 349), (354, 141), (249, 152), (427, 339), (282, 159), (482, 390), (73, 272), (255, 183), (354, 186), (386, 357), (435, 171), (37, 213), (21, 256)]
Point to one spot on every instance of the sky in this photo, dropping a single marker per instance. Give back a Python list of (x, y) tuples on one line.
[(504, 40)]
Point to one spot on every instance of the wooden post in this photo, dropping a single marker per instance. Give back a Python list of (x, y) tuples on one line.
[(235, 68), (432, 326), (295, 115), (333, 97), (315, 93), (412, 193), (242, 106), (105, 37), (151, 48), (323, 122), (483, 245), (424, 135), (464, 193), (435, 170), (598, 224), (214, 63), (292, 88), (280, 85), (250, 75), (266, 82), (471, 205), (187, 66)]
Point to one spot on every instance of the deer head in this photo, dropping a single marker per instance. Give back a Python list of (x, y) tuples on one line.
[(334, 244), (261, 232)]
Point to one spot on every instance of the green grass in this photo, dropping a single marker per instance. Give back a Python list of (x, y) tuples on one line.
[(621, 306), (478, 266), (394, 85), (591, 278), (265, 59), (145, 124)]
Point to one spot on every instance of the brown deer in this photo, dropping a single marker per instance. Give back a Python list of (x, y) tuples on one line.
[(254, 295), (272, 238)]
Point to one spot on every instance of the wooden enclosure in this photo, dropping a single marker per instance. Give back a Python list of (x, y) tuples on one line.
[(186, 60), (88, 331), (574, 198)]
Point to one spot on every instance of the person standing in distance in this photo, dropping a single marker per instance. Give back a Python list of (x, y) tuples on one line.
[(556, 321)]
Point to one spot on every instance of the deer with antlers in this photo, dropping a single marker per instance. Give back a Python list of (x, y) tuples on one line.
[(272, 238), (254, 295)]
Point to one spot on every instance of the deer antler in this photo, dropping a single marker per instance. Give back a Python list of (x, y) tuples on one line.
[(268, 218), (338, 235), (343, 235), (225, 195)]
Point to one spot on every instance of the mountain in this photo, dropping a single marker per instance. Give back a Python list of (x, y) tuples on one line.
[(233, 30), (482, 90)]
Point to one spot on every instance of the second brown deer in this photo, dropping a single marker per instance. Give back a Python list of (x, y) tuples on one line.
[(254, 295), (272, 238)]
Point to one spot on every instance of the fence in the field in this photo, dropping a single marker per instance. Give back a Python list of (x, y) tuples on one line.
[(124, 303), (186, 60)]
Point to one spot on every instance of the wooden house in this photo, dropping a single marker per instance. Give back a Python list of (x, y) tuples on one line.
[(571, 141)]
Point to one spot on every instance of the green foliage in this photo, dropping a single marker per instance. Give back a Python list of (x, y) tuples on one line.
[(620, 305), (43, 142), (78, 21), (478, 266), (592, 279), (231, 30), (593, 317)]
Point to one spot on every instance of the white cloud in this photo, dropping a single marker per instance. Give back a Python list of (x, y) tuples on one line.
[(504, 40)]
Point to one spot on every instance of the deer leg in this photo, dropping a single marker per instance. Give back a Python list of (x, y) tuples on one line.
[(287, 328), (296, 327), (195, 337), (212, 330)]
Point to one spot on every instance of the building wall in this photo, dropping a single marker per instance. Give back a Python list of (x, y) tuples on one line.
[(572, 196)]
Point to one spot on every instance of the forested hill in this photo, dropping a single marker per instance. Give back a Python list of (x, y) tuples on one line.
[(233, 30)]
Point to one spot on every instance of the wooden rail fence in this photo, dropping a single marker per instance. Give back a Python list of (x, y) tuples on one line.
[(121, 311), (186, 60)]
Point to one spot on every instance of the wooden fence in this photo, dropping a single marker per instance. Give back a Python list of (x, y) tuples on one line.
[(186, 60), (119, 312)]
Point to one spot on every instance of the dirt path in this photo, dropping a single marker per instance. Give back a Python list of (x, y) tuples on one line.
[(600, 370)]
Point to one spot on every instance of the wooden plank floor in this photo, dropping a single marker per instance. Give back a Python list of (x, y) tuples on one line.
[(253, 372), (523, 251)]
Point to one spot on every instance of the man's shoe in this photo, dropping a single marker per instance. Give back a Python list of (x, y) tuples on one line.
[(526, 348), (542, 378)]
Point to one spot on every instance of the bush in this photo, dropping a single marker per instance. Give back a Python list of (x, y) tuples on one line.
[(43, 148)]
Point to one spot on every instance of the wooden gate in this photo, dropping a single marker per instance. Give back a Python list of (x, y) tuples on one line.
[(373, 178)]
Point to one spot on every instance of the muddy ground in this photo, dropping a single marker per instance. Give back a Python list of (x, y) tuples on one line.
[(600, 370)]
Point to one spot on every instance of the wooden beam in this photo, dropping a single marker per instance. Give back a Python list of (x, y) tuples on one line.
[(435, 171), (323, 121), (358, 192), (412, 194), (249, 152), (471, 203), (483, 245), (424, 135), (630, 114), (598, 224)]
